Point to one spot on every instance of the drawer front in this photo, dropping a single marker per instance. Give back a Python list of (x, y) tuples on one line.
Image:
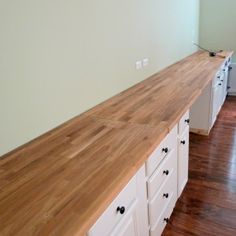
[(162, 221), (217, 79), (183, 123), (169, 143), (162, 173), (162, 198), (111, 217)]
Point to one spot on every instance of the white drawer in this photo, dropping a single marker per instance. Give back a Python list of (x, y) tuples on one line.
[(217, 79), (162, 173), (183, 123), (111, 217), (169, 143), (164, 218), (160, 201)]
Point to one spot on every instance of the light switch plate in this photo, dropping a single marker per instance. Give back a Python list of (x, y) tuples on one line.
[(138, 65), (145, 62)]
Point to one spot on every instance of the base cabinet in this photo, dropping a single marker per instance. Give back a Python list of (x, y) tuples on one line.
[(127, 215), (128, 225), (144, 206), (204, 111)]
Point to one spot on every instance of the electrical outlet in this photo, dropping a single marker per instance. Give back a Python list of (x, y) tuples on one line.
[(145, 62), (139, 65)]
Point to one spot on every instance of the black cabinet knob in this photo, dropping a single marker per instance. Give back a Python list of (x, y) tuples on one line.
[(166, 195), (187, 121), (165, 150), (121, 210), (222, 80), (166, 220), (165, 172), (230, 67), (183, 142), (218, 77), (219, 84)]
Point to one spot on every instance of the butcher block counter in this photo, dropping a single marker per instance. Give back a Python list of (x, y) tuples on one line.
[(61, 182)]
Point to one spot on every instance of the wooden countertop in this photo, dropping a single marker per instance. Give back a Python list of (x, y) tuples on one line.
[(60, 183), (165, 96)]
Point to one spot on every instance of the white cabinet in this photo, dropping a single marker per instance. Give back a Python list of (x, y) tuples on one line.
[(225, 82), (127, 214), (163, 219), (159, 154), (183, 160), (206, 108), (217, 98), (162, 182), (144, 206), (128, 225)]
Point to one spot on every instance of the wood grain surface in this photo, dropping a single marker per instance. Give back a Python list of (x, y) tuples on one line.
[(165, 96), (61, 182)]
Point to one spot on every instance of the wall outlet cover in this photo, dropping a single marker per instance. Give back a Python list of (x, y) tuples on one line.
[(139, 65), (145, 62)]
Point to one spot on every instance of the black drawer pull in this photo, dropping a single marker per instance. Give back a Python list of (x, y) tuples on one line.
[(166, 220), (166, 172), (121, 210), (165, 195), (165, 150), (187, 121), (183, 142)]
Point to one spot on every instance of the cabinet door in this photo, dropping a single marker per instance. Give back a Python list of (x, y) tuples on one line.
[(129, 224), (127, 215), (183, 157)]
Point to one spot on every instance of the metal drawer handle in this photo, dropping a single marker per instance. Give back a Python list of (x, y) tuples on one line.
[(166, 220), (183, 142), (165, 195), (165, 150), (187, 121), (121, 210), (166, 172)]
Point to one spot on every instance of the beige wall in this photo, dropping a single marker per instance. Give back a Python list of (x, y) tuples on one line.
[(217, 24), (60, 58)]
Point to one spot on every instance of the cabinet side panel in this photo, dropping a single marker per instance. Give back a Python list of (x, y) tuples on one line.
[(201, 110)]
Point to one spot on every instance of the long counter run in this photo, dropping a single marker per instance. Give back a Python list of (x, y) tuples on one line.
[(85, 176)]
